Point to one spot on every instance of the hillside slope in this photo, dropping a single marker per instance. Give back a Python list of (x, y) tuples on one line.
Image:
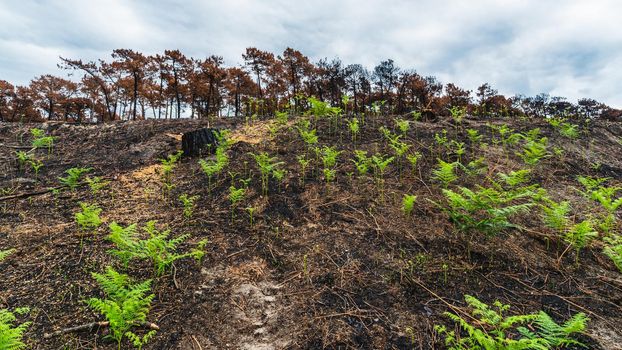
[(325, 264)]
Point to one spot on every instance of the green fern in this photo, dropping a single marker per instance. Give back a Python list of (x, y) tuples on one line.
[(445, 172), (408, 203), (72, 180), (214, 167), (267, 165), (556, 335), (5, 253), (486, 210), (11, 335), (493, 330), (580, 235), (556, 215), (156, 247), (189, 203), (96, 183), (613, 249), (126, 305), (362, 162), (534, 150), (515, 178), (88, 218), (307, 134), (236, 195)]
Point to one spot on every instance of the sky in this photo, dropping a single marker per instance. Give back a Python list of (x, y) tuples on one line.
[(570, 48)]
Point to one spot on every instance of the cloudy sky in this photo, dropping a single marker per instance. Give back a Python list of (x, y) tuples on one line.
[(569, 48)]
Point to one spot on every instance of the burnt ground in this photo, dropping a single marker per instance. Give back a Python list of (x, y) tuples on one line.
[(334, 266)]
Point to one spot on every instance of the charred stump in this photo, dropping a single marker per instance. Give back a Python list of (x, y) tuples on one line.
[(200, 142)]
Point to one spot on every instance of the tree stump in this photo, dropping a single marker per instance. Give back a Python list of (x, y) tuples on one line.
[(200, 142)]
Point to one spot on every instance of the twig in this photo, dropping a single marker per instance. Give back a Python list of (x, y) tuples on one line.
[(197, 342), (90, 326), (16, 146), (29, 194)]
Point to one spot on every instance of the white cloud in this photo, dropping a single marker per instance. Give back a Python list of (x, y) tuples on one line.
[(571, 48)]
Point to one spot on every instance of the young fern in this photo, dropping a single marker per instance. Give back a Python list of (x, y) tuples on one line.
[(88, 218), (353, 125), (156, 247), (534, 150), (445, 173), (362, 162), (168, 164), (189, 203), (308, 135), (126, 305), (236, 195), (96, 183), (556, 215), (486, 210), (72, 180), (267, 166), (304, 163), (408, 204), (214, 167), (580, 235), (329, 160), (613, 250), (11, 335), (380, 164), (490, 329), (5, 253)]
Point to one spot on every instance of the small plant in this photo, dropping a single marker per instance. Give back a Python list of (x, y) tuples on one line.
[(329, 160), (168, 165), (10, 334), (40, 140), (251, 211), (126, 305), (457, 114), (5, 253), (534, 151), (36, 166), (281, 117), (353, 125), (445, 172), (566, 129), (267, 165), (402, 125), (308, 135), (96, 183), (399, 148), (362, 162), (441, 139), (214, 167), (458, 149), (23, 158), (72, 180), (236, 195), (189, 203), (474, 136), (88, 218), (408, 204), (156, 247), (613, 249), (490, 329), (380, 164), (413, 159), (555, 215), (580, 235), (304, 163), (486, 210)]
